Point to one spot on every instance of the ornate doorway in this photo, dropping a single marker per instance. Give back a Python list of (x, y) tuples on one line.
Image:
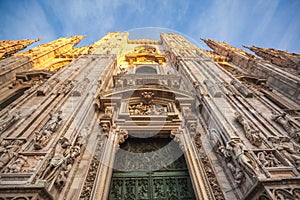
[(150, 169)]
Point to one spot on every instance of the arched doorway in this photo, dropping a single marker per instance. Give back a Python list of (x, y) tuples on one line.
[(150, 169)]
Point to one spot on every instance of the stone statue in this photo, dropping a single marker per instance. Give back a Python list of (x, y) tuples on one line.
[(42, 138), (61, 154), (242, 156), (251, 134), (54, 121), (61, 179), (287, 125)]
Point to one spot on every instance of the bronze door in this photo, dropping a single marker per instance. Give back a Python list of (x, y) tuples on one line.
[(137, 182)]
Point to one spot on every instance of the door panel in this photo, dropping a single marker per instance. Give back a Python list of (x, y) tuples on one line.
[(155, 185)]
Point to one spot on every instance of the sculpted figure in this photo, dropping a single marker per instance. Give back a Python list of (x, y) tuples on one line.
[(108, 112), (42, 138), (122, 136), (251, 134), (60, 155), (64, 172), (287, 125), (148, 97), (54, 121), (3, 145), (105, 127), (241, 156)]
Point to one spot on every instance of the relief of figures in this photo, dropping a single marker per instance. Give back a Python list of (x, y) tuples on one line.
[(287, 149), (43, 137), (9, 150), (250, 132), (17, 165), (147, 109), (268, 159), (287, 125), (8, 119)]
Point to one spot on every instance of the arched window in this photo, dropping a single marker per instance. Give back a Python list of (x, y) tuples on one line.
[(146, 70)]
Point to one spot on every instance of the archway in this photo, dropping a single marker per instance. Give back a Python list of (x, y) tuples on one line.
[(150, 168)]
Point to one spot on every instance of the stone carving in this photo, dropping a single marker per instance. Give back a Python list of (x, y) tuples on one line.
[(226, 154), (105, 127), (241, 88), (208, 168), (147, 97), (17, 165), (213, 88), (287, 125), (268, 159), (65, 87), (287, 149), (92, 172), (240, 154), (80, 88), (66, 167), (175, 135), (283, 194), (107, 113), (122, 136), (43, 137), (8, 119), (197, 141), (250, 132), (54, 121), (61, 163), (47, 87), (237, 173), (9, 150), (212, 179), (60, 155), (192, 128), (147, 109)]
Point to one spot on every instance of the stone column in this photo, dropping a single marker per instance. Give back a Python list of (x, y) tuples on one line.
[(196, 169), (115, 138)]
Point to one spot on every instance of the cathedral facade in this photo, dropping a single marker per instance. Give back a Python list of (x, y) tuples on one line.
[(148, 119)]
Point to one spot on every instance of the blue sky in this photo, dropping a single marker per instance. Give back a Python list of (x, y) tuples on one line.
[(264, 23)]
